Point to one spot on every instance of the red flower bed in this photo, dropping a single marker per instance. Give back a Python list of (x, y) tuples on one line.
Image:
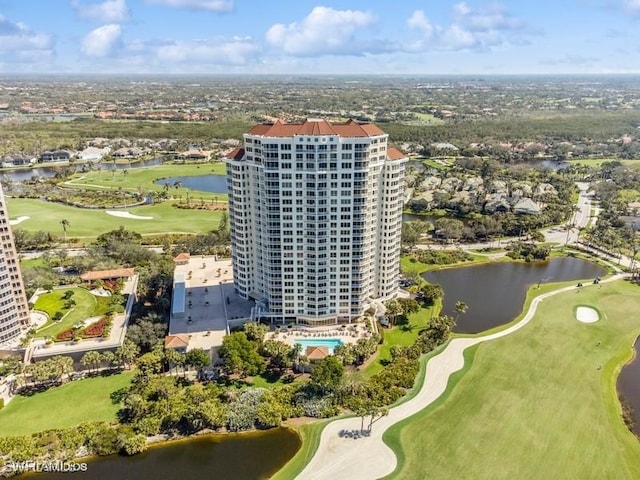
[(96, 329), (114, 286), (66, 335)]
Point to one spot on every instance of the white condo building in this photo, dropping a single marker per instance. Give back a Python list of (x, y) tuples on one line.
[(14, 309), (315, 212)]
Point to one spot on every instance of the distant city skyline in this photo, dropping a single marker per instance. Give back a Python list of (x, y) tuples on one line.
[(322, 37)]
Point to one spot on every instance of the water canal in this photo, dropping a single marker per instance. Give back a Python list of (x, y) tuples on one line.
[(242, 456), (495, 292)]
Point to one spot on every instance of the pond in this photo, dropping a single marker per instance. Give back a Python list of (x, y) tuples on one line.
[(239, 456), (23, 174), (204, 183), (495, 292), (629, 387)]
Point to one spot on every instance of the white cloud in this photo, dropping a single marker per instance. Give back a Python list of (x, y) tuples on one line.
[(213, 5), (101, 41), (632, 5), (419, 21), (235, 51), (113, 11), (471, 29), (19, 43), (324, 31)]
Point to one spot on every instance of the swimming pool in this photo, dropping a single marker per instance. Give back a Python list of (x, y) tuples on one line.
[(330, 343)]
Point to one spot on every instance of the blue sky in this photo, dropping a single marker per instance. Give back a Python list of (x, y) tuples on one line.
[(320, 36)]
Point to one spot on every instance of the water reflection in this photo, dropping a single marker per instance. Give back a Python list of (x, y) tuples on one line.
[(23, 174), (245, 456), (495, 292)]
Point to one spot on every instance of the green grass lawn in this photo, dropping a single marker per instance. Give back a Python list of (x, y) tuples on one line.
[(63, 407), (144, 178), (33, 263), (540, 403), (88, 223), (310, 436), (596, 162), (402, 335), (52, 302)]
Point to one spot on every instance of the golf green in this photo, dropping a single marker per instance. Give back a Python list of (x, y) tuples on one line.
[(87, 223), (540, 403)]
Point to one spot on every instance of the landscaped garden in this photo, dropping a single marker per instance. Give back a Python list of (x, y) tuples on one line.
[(68, 307), (74, 403), (540, 403)]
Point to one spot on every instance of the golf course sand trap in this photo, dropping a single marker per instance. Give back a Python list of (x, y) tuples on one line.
[(587, 315), (18, 220), (117, 213)]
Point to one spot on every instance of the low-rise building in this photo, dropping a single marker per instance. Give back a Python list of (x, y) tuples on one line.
[(55, 156), (204, 304), (17, 160), (93, 154)]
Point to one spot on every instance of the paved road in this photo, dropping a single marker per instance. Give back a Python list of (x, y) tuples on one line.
[(368, 457), (579, 219)]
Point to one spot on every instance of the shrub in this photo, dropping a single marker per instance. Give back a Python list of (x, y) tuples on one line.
[(318, 407), (104, 441), (129, 442), (242, 413), (66, 335)]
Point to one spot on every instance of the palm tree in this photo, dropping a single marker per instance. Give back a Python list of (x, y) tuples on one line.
[(461, 308), (126, 353), (92, 360), (65, 224)]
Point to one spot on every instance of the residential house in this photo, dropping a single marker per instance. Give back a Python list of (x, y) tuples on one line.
[(55, 156), (16, 160)]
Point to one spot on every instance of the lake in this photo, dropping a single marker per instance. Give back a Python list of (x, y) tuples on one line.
[(48, 171), (204, 183), (629, 387), (495, 292), (238, 456)]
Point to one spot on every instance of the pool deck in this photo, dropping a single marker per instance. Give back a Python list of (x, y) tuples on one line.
[(349, 334)]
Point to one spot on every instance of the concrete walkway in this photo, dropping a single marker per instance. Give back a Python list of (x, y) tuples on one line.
[(368, 457)]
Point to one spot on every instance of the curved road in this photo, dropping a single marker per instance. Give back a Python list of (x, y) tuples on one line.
[(368, 457)]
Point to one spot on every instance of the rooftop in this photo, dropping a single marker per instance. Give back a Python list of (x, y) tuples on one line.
[(316, 353), (105, 274), (313, 127), (204, 300), (395, 154)]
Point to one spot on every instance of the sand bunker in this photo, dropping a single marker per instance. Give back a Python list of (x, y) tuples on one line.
[(118, 213), (18, 220), (587, 315)]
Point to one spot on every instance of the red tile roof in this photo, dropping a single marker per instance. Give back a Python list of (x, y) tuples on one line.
[(176, 341), (102, 274), (181, 257), (317, 353), (394, 154), (351, 128), (235, 154)]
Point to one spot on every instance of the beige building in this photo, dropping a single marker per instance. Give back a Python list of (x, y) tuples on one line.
[(204, 305), (315, 212), (14, 309)]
